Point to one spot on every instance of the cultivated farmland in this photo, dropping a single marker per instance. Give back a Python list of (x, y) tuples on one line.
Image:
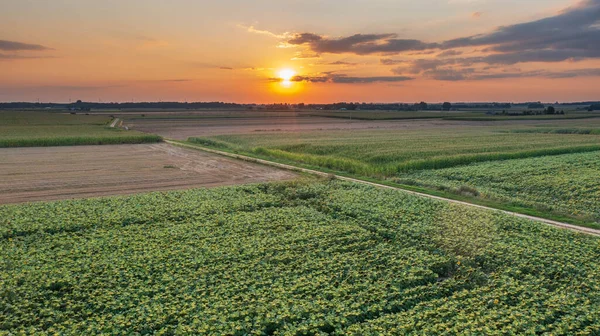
[(387, 153), (411, 156), (49, 173), (34, 129), (290, 259), (567, 183), (182, 125)]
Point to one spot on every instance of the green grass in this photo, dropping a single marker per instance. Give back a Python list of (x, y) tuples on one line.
[(31, 129), (290, 258)]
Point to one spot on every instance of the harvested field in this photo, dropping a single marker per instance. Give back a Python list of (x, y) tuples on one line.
[(181, 129), (184, 128), (53, 173)]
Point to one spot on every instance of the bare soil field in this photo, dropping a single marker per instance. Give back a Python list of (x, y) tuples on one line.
[(53, 173), (182, 129)]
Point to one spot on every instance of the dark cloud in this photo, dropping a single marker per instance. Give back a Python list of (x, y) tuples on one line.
[(449, 53), (543, 55), (312, 79), (305, 55), (449, 74), (389, 61), (420, 65), (342, 63), (574, 73), (376, 79), (305, 38), (225, 68), (424, 52), (345, 79), (547, 32), (446, 74), (19, 46), (573, 34), (361, 44)]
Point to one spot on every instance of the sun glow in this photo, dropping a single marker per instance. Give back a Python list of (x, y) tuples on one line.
[(286, 74), (285, 82)]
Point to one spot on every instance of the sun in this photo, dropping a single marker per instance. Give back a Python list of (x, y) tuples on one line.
[(286, 74), (286, 81)]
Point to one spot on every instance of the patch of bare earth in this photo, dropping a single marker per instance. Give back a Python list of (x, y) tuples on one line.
[(53, 173), (182, 129)]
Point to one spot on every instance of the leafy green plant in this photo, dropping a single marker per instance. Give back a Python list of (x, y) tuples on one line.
[(288, 259)]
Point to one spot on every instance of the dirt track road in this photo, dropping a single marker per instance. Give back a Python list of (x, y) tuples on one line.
[(53, 173)]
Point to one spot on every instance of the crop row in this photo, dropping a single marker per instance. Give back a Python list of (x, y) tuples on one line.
[(389, 153), (294, 258), (565, 184)]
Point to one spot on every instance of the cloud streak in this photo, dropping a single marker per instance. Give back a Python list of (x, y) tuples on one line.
[(20, 46), (254, 30), (449, 74)]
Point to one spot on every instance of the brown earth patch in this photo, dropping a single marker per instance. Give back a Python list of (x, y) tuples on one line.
[(53, 173)]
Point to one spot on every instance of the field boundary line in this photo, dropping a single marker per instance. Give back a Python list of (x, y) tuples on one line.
[(550, 222)]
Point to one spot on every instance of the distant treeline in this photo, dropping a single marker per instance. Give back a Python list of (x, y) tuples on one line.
[(594, 107), (422, 106), (79, 105), (87, 106)]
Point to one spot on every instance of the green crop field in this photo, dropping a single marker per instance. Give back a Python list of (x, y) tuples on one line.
[(27, 129), (388, 153), (438, 160), (301, 258), (565, 184)]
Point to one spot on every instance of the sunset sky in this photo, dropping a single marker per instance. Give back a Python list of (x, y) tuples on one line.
[(331, 50)]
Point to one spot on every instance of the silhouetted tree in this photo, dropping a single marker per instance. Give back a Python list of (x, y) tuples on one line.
[(446, 106), (537, 105), (550, 110)]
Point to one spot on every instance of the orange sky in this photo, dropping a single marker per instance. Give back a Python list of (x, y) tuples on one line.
[(364, 50)]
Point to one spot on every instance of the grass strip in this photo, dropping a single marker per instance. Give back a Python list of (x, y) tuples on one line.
[(79, 140)]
